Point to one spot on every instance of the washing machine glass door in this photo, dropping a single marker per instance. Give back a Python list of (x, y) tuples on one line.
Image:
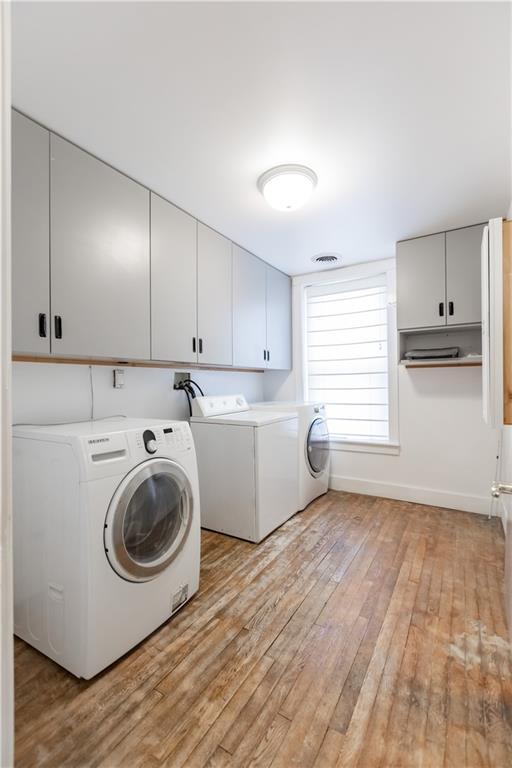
[(148, 519), (317, 447)]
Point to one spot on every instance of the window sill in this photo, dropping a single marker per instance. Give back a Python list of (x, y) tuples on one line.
[(360, 446)]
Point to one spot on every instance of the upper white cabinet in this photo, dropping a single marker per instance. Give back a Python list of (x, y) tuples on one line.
[(30, 236), (99, 258), (173, 283), (421, 294), (438, 279), (463, 275), (279, 320), (214, 297), (249, 310), (104, 268), (262, 333)]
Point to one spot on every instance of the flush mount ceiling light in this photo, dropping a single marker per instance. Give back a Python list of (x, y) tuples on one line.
[(287, 187), (326, 258)]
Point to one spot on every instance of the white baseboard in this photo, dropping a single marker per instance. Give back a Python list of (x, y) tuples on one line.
[(460, 501)]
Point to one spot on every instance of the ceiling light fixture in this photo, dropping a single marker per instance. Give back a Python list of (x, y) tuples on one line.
[(287, 187)]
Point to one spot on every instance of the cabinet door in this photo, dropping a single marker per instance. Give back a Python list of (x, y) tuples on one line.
[(214, 297), (463, 275), (420, 265), (30, 236), (279, 319), (173, 283), (249, 310), (99, 257)]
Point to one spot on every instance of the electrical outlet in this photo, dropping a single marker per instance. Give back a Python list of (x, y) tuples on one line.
[(118, 382), (179, 377)]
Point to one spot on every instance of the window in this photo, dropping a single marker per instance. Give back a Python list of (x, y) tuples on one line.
[(347, 356)]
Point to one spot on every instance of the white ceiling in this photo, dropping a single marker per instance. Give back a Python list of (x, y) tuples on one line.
[(401, 109)]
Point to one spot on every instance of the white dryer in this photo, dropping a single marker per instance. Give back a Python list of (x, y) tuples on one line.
[(247, 466), (313, 447), (106, 536)]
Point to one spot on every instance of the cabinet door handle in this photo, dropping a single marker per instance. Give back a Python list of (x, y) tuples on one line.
[(264, 354), (268, 355), (200, 346), (441, 309), (193, 344), (58, 327), (42, 325), (450, 307)]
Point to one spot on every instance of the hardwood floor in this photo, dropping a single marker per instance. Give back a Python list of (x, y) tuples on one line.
[(365, 632)]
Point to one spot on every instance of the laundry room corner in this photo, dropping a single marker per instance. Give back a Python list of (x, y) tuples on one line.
[(446, 453)]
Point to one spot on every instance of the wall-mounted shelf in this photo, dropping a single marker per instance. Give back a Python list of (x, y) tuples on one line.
[(467, 338), (116, 362), (471, 361)]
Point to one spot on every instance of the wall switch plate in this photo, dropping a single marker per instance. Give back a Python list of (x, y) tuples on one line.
[(179, 377), (118, 378)]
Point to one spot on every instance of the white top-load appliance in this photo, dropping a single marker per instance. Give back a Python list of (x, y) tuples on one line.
[(313, 455), (106, 535), (247, 466)]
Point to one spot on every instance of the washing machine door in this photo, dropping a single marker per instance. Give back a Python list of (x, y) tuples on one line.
[(317, 447), (148, 520)]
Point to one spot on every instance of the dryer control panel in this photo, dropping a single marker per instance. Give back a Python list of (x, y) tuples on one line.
[(218, 405)]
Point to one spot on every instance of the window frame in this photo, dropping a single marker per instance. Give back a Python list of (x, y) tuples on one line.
[(349, 274)]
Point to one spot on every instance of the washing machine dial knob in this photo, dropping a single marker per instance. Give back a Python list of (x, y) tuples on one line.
[(150, 441)]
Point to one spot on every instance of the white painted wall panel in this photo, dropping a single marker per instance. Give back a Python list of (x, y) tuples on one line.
[(447, 453), (47, 393)]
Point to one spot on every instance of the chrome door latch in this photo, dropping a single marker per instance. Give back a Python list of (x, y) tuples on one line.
[(498, 488)]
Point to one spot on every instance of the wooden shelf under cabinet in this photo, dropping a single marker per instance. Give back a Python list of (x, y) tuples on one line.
[(116, 362), (447, 362)]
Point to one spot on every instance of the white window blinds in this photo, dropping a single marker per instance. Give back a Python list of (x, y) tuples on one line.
[(347, 356)]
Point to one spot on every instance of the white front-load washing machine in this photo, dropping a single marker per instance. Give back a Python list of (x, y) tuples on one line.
[(313, 447), (106, 535)]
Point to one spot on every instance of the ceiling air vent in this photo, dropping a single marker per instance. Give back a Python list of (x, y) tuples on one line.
[(326, 259)]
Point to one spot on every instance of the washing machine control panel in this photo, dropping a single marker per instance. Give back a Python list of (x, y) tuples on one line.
[(176, 436)]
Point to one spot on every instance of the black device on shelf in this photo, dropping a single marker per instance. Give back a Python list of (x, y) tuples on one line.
[(439, 353)]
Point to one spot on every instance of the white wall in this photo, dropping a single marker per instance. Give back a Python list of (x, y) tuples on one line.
[(51, 392), (447, 453)]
